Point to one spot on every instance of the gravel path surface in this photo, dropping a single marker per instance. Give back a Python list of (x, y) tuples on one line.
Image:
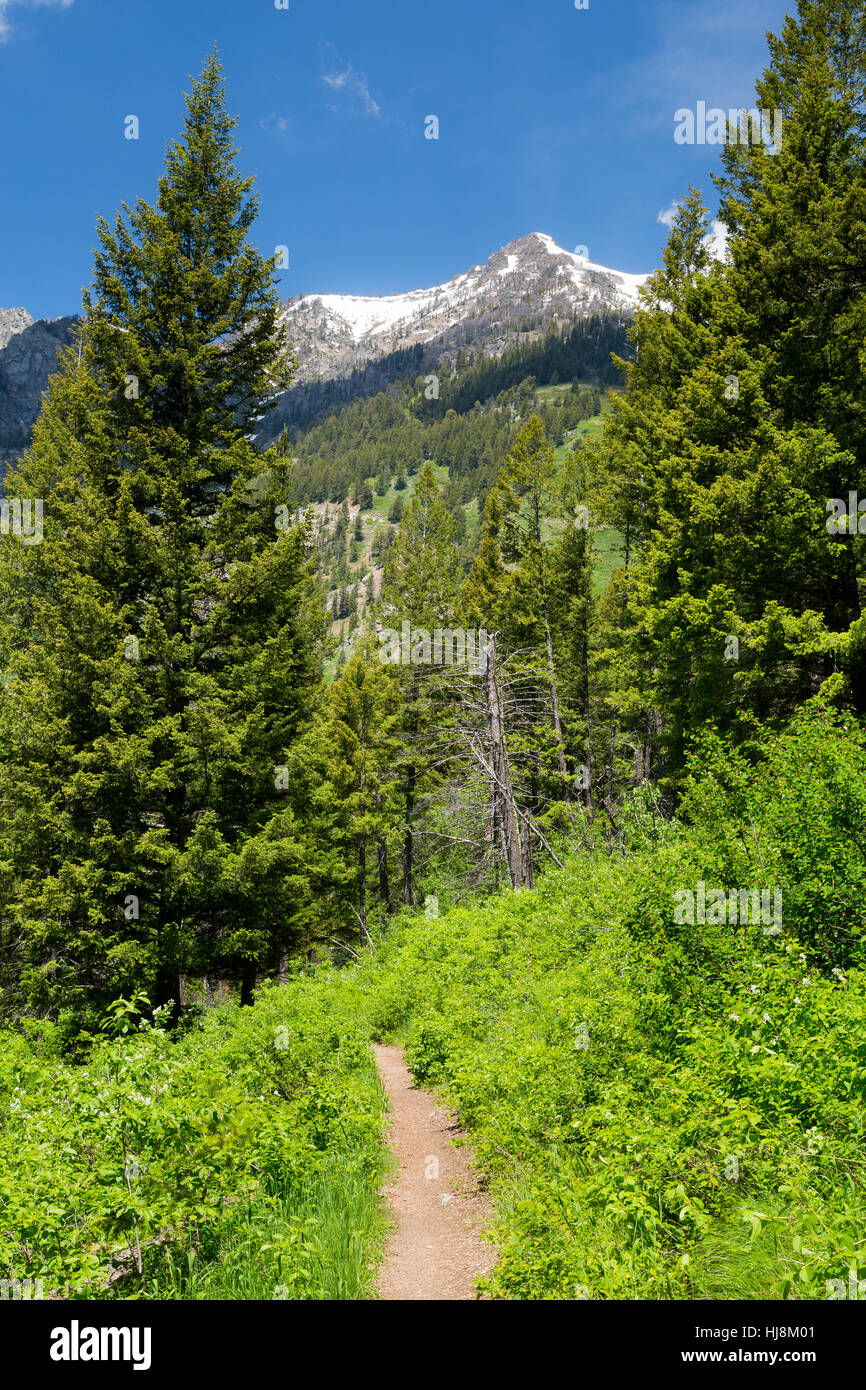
[(435, 1250)]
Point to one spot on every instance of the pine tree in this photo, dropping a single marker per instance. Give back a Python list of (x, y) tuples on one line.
[(526, 486), (420, 587), (742, 416), (160, 645), (344, 789), (573, 621)]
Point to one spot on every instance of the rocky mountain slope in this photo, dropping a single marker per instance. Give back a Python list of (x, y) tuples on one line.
[(335, 334), (28, 356), (349, 345)]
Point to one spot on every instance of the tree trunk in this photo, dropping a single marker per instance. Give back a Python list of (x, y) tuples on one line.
[(248, 983), (610, 759), (411, 779), (502, 771), (551, 669), (587, 718), (382, 865), (382, 861), (362, 889), (408, 838)]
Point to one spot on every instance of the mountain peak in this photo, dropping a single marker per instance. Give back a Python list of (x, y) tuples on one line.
[(530, 279)]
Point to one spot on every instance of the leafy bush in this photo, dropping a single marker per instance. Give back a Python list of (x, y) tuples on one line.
[(664, 1110), (157, 1164)]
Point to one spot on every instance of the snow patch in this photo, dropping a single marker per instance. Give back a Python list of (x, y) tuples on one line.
[(367, 316)]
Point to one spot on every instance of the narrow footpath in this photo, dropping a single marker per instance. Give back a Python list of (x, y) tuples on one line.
[(435, 1251)]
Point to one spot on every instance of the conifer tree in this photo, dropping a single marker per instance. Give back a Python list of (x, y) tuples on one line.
[(526, 488), (160, 644), (421, 585), (742, 415), (345, 792)]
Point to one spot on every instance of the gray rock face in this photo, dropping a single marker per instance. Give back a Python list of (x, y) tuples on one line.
[(531, 281), (28, 357), (336, 334), (12, 321)]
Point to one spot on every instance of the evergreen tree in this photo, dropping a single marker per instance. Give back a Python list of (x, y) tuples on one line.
[(742, 415), (160, 645), (344, 789), (526, 486), (421, 578)]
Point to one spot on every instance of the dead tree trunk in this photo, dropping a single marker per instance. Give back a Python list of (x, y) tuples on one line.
[(551, 668), (408, 837), (502, 773), (362, 889), (382, 862)]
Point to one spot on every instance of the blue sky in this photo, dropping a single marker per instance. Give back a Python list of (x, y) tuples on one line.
[(551, 119)]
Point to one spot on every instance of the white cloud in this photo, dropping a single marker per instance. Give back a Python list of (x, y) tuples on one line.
[(716, 240), (6, 6), (355, 89), (274, 122)]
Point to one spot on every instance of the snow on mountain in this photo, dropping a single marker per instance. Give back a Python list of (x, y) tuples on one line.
[(524, 287), (533, 277)]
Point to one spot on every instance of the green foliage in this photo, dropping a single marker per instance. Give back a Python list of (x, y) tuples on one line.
[(160, 647), (661, 1111), (743, 414), (241, 1160)]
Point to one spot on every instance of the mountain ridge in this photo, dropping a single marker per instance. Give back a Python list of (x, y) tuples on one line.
[(336, 333), (351, 345)]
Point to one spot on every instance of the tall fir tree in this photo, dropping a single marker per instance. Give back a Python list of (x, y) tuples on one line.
[(420, 588), (742, 415), (160, 644)]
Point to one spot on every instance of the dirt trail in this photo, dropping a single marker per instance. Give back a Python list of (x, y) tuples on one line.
[(435, 1251)]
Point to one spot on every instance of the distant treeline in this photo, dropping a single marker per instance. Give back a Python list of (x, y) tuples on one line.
[(583, 350), (548, 352), (383, 440)]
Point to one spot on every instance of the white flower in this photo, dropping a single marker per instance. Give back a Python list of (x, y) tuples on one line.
[(796, 999), (735, 1017), (753, 989), (806, 980), (766, 1018)]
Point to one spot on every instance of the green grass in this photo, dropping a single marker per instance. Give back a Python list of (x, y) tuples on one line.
[(382, 501), (319, 1241), (549, 395), (609, 555), (609, 1063)]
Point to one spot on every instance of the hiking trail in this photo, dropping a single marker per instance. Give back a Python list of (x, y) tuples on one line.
[(435, 1250)]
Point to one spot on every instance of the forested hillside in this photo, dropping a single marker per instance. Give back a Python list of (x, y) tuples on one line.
[(516, 713)]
